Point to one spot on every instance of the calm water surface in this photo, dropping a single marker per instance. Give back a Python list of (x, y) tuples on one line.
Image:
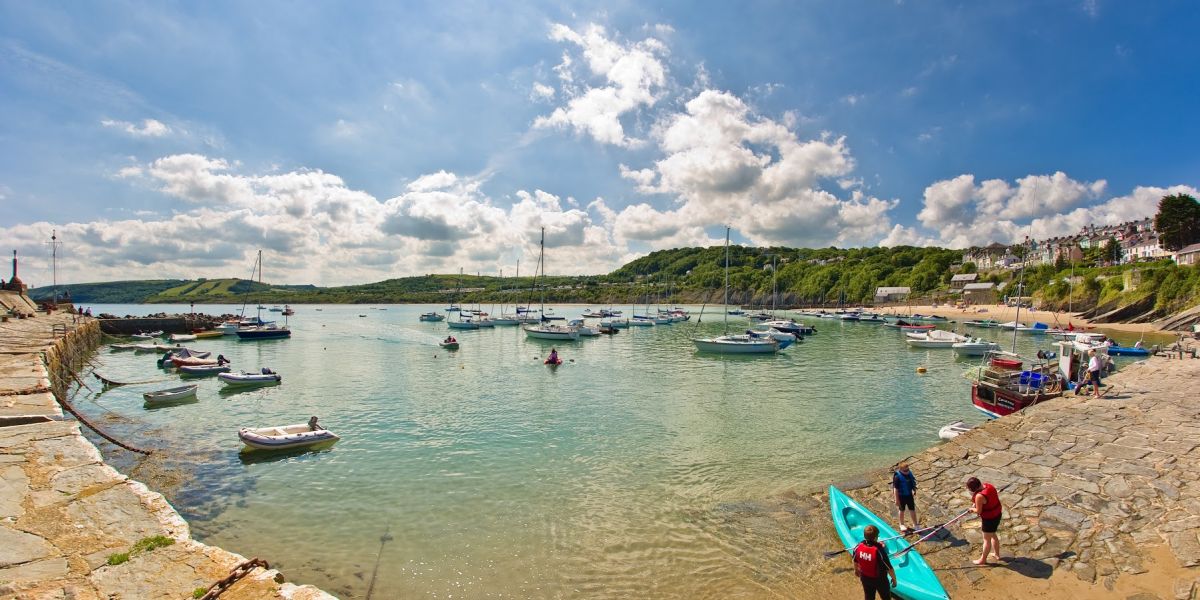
[(495, 476)]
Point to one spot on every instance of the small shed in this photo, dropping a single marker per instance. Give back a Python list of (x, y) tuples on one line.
[(891, 294), (980, 293), (959, 281)]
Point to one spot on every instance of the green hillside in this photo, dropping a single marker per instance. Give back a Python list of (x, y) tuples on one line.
[(822, 276)]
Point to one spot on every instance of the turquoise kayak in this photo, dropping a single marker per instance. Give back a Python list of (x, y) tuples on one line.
[(916, 581)]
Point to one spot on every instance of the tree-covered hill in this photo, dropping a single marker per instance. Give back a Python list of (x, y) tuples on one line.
[(821, 276)]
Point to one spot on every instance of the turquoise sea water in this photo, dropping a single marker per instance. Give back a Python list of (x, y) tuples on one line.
[(495, 476)]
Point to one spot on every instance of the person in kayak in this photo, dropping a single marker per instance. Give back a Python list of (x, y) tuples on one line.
[(904, 487), (553, 359), (872, 566), (985, 502)]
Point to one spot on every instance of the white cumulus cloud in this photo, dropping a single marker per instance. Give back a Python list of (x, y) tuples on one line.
[(148, 128)]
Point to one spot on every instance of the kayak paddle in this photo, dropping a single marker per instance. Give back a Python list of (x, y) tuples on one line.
[(887, 539), (944, 525)]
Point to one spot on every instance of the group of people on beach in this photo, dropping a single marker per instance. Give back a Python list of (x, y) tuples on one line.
[(872, 564)]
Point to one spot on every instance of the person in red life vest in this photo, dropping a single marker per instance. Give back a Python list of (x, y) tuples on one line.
[(904, 485), (985, 502), (872, 566)]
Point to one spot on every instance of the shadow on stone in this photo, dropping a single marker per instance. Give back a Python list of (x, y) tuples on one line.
[(1029, 567)]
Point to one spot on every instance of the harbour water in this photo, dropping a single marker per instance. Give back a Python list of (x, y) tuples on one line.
[(482, 473)]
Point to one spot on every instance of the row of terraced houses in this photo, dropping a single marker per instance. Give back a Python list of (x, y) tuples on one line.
[(1138, 241)]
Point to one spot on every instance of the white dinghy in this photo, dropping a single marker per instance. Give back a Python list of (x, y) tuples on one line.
[(244, 379), (175, 394), (953, 430), (287, 437)]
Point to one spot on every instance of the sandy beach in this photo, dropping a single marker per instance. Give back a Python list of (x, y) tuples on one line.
[(1003, 313)]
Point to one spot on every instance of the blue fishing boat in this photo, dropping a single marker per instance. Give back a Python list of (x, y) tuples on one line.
[(1128, 351), (916, 580)]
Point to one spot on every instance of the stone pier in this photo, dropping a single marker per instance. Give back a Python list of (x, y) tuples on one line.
[(1103, 499), (70, 525)]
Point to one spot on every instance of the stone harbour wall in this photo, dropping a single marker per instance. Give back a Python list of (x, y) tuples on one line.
[(64, 512)]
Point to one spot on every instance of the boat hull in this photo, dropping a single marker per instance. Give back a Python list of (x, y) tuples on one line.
[(249, 379), (717, 346), (551, 333), (170, 395), (263, 333), (285, 438), (915, 579)]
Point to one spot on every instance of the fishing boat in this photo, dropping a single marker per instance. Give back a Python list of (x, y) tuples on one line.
[(431, 317), (1008, 383), (286, 437), (792, 327), (735, 344), (203, 370), (545, 330), (174, 394), (975, 347), (244, 379), (954, 430), (915, 580)]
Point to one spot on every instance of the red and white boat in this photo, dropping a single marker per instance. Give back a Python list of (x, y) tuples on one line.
[(1008, 383)]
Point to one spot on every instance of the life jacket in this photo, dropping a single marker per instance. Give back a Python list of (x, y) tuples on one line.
[(905, 484), (991, 508), (866, 557)]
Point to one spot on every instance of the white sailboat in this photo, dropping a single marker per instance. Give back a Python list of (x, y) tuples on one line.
[(735, 344), (461, 323), (545, 330)]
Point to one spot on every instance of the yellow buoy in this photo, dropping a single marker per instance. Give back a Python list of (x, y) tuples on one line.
[(920, 369)]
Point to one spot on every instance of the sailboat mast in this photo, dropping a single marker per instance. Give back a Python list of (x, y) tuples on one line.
[(542, 263), (1017, 319), (726, 307)]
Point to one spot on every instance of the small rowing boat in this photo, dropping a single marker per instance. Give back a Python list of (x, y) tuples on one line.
[(916, 581), (175, 394)]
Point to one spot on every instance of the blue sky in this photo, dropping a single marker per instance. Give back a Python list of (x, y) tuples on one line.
[(359, 141)]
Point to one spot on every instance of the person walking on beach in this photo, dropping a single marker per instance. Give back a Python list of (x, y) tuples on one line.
[(1094, 366), (872, 566), (904, 487), (985, 502)]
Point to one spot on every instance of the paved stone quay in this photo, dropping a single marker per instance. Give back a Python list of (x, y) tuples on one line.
[(65, 515), (1103, 498)]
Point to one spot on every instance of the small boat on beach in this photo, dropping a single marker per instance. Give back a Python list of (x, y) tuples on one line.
[(174, 394), (954, 430), (244, 379), (915, 580), (286, 437)]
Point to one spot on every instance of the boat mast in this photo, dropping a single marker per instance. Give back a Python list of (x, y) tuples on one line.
[(726, 307), (774, 286), (542, 263), (1020, 286)]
